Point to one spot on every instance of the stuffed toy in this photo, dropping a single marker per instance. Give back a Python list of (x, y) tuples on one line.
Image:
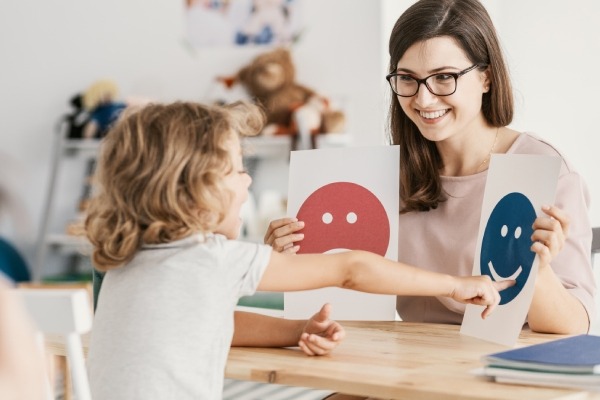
[(100, 101), (291, 108), (77, 120)]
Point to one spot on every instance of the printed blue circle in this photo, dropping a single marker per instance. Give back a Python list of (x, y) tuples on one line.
[(505, 248)]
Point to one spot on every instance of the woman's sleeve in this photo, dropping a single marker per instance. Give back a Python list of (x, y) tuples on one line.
[(573, 264)]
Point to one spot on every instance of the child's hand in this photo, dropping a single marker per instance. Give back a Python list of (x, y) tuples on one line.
[(321, 335), (281, 235), (479, 290), (549, 234)]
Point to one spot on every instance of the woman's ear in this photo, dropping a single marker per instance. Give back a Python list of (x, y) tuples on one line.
[(486, 80)]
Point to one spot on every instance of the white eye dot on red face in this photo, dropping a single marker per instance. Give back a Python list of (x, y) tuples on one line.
[(518, 232), (327, 218), (504, 230), (351, 217)]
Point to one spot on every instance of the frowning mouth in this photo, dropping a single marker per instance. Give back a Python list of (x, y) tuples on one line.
[(499, 278)]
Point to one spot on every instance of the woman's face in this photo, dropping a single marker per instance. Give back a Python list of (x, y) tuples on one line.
[(237, 181), (442, 117)]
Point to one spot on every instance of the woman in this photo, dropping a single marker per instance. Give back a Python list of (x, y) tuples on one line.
[(450, 110)]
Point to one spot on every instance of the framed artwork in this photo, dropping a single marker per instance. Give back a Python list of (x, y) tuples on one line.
[(211, 23)]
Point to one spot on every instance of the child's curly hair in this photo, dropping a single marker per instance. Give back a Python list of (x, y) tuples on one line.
[(159, 176)]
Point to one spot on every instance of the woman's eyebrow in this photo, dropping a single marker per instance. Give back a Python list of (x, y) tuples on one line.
[(431, 71)]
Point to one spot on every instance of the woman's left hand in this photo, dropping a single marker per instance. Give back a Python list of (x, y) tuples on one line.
[(549, 234)]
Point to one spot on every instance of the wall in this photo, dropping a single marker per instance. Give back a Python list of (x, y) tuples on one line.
[(552, 51), (51, 50)]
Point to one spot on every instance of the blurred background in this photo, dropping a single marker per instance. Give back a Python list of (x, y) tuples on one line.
[(53, 50)]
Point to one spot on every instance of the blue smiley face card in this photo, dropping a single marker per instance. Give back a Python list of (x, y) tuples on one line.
[(517, 187)]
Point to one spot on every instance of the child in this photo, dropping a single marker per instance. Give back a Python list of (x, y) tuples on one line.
[(164, 224)]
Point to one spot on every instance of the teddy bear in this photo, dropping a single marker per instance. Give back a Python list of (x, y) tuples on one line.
[(291, 108)]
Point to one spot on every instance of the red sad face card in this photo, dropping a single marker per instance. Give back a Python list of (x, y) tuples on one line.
[(348, 199)]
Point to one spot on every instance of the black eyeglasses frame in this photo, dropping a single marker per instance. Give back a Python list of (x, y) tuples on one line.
[(423, 81)]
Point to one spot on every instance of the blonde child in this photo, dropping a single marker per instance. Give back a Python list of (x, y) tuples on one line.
[(163, 226)]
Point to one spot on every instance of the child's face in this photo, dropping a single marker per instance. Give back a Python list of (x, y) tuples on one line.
[(237, 181)]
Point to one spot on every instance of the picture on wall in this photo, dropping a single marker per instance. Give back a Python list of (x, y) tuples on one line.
[(212, 23)]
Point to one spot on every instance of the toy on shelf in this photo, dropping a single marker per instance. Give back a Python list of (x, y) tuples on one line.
[(77, 119), (100, 101), (291, 108)]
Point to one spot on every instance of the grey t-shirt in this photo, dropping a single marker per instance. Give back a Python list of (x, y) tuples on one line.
[(164, 322)]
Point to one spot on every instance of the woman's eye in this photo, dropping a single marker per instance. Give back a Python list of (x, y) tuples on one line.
[(405, 78), (443, 77)]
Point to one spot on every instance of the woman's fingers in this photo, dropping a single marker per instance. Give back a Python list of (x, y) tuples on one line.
[(281, 234)]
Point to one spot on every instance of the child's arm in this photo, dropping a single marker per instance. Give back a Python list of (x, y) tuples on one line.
[(317, 336), (368, 272)]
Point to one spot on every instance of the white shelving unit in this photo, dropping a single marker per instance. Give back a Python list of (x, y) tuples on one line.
[(52, 241)]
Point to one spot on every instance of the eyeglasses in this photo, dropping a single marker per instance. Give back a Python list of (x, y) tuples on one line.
[(440, 84)]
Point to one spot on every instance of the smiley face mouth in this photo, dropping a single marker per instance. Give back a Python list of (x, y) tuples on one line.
[(499, 278)]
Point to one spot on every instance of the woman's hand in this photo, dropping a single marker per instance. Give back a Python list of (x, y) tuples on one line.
[(281, 235), (549, 234), (320, 334), (479, 290)]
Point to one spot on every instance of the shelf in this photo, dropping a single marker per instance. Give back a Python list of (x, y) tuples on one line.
[(76, 146), (69, 242), (280, 146), (267, 146)]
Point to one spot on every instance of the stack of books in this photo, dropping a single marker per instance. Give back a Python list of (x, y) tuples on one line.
[(573, 362)]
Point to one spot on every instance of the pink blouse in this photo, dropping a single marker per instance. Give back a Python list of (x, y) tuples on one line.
[(444, 239)]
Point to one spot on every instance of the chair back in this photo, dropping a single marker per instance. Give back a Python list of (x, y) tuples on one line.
[(66, 313)]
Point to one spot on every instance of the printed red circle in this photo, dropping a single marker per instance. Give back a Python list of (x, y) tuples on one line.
[(343, 215)]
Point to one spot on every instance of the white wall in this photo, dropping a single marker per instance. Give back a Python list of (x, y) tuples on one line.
[(51, 50), (553, 51)]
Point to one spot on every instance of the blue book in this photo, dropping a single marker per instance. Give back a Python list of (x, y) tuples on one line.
[(573, 355)]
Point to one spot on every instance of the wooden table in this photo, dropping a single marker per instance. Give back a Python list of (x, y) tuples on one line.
[(394, 360), (389, 360)]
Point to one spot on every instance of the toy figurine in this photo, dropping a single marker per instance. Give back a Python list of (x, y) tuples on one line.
[(100, 100)]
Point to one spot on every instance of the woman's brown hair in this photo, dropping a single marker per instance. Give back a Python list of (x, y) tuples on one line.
[(159, 176), (469, 24)]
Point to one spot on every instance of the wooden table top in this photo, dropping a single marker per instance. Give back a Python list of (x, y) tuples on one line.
[(395, 360), (388, 360)]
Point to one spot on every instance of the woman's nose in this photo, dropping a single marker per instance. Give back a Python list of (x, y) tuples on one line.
[(424, 97)]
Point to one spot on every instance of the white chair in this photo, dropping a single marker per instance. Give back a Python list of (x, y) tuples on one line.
[(66, 313)]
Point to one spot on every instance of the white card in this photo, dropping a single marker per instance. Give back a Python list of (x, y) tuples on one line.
[(348, 199), (517, 186)]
